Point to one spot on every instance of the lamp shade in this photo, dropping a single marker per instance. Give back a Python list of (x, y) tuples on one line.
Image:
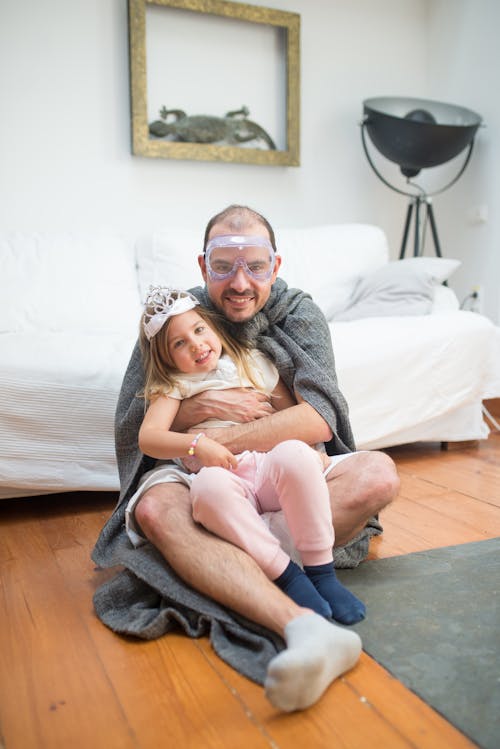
[(418, 133)]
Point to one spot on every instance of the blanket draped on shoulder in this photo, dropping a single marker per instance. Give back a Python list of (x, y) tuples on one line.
[(147, 598)]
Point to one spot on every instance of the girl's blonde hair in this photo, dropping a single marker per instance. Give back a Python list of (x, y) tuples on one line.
[(161, 374)]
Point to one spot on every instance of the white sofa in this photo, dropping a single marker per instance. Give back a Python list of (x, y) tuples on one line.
[(413, 366)]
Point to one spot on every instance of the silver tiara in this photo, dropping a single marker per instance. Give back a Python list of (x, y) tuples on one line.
[(163, 302)]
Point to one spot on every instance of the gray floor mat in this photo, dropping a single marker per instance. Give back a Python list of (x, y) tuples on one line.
[(433, 621)]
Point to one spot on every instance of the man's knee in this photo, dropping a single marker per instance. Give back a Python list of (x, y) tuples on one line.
[(382, 479), (163, 503), (372, 482)]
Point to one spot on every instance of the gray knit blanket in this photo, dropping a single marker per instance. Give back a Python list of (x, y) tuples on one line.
[(147, 599)]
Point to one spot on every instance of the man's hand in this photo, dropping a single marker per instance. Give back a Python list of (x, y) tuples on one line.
[(240, 405)]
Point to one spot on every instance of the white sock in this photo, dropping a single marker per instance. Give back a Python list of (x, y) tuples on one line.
[(317, 653)]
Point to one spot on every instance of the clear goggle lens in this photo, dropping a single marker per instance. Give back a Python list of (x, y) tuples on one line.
[(225, 254)]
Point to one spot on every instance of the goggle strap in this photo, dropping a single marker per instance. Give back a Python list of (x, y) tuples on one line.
[(239, 241)]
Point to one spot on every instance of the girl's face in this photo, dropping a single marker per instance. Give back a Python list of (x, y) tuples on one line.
[(192, 344)]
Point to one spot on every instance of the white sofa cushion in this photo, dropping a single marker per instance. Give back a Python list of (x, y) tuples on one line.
[(327, 261), (403, 377), (59, 393), (67, 283), (406, 379), (169, 258)]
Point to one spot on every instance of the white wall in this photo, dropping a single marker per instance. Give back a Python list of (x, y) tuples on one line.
[(464, 61), (65, 134)]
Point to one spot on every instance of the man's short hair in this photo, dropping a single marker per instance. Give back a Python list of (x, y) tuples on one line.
[(237, 218)]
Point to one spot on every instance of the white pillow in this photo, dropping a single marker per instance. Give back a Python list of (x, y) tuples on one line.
[(400, 288), (440, 268), (328, 261), (67, 283), (169, 258)]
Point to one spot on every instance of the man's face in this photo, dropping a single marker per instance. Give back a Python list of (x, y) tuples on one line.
[(240, 296)]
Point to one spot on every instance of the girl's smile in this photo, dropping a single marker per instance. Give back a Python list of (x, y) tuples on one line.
[(203, 358)]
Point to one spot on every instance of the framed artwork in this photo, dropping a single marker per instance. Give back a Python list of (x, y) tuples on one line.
[(213, 80)]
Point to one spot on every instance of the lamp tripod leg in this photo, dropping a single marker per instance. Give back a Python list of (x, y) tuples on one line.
[(406, 230), (432, 221), (416, 245), (415, 203)]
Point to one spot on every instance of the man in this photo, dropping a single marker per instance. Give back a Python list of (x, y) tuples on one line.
[(287, 326)]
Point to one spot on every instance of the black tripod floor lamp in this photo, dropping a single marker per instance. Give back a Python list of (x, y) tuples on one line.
[(417, 134)]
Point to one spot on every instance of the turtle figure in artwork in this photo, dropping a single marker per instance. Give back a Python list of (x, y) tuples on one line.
[(233, 128)]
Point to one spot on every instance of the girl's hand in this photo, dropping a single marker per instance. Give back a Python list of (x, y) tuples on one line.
[(210, 453)]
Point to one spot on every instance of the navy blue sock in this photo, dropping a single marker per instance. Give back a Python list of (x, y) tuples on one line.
[(297, 585), (346, 608)]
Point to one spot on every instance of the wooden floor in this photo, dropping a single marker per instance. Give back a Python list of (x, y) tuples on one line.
[(67, 681)]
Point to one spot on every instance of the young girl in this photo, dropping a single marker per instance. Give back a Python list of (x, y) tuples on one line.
[(186, 352)]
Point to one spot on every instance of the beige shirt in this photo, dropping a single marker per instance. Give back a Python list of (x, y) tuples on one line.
[(226, 376)]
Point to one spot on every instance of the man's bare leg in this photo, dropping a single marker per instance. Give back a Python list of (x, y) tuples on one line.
[(317, 651), (360, 486), (209, 564)]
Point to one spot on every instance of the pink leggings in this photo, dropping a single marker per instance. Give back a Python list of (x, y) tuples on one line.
[(290, 478)]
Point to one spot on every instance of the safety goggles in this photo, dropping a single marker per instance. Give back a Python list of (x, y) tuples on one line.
[(225, 254)]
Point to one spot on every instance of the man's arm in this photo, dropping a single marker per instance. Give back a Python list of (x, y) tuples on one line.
[(299, 422), (290, 418), (233, 404)]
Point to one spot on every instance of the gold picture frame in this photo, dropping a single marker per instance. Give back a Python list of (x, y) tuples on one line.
[(144, 144)]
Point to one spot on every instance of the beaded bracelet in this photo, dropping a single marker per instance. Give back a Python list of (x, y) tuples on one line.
[(192, 446)]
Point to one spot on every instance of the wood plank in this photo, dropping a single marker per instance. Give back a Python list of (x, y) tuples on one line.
[(366, 707), (464, 445), (454, 506), (431, 526), (66, 519), (51, 677), (493, 406), (396, 541), (473, 472), (165, 687), (436, 520), (176, 690), (417, 721)]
